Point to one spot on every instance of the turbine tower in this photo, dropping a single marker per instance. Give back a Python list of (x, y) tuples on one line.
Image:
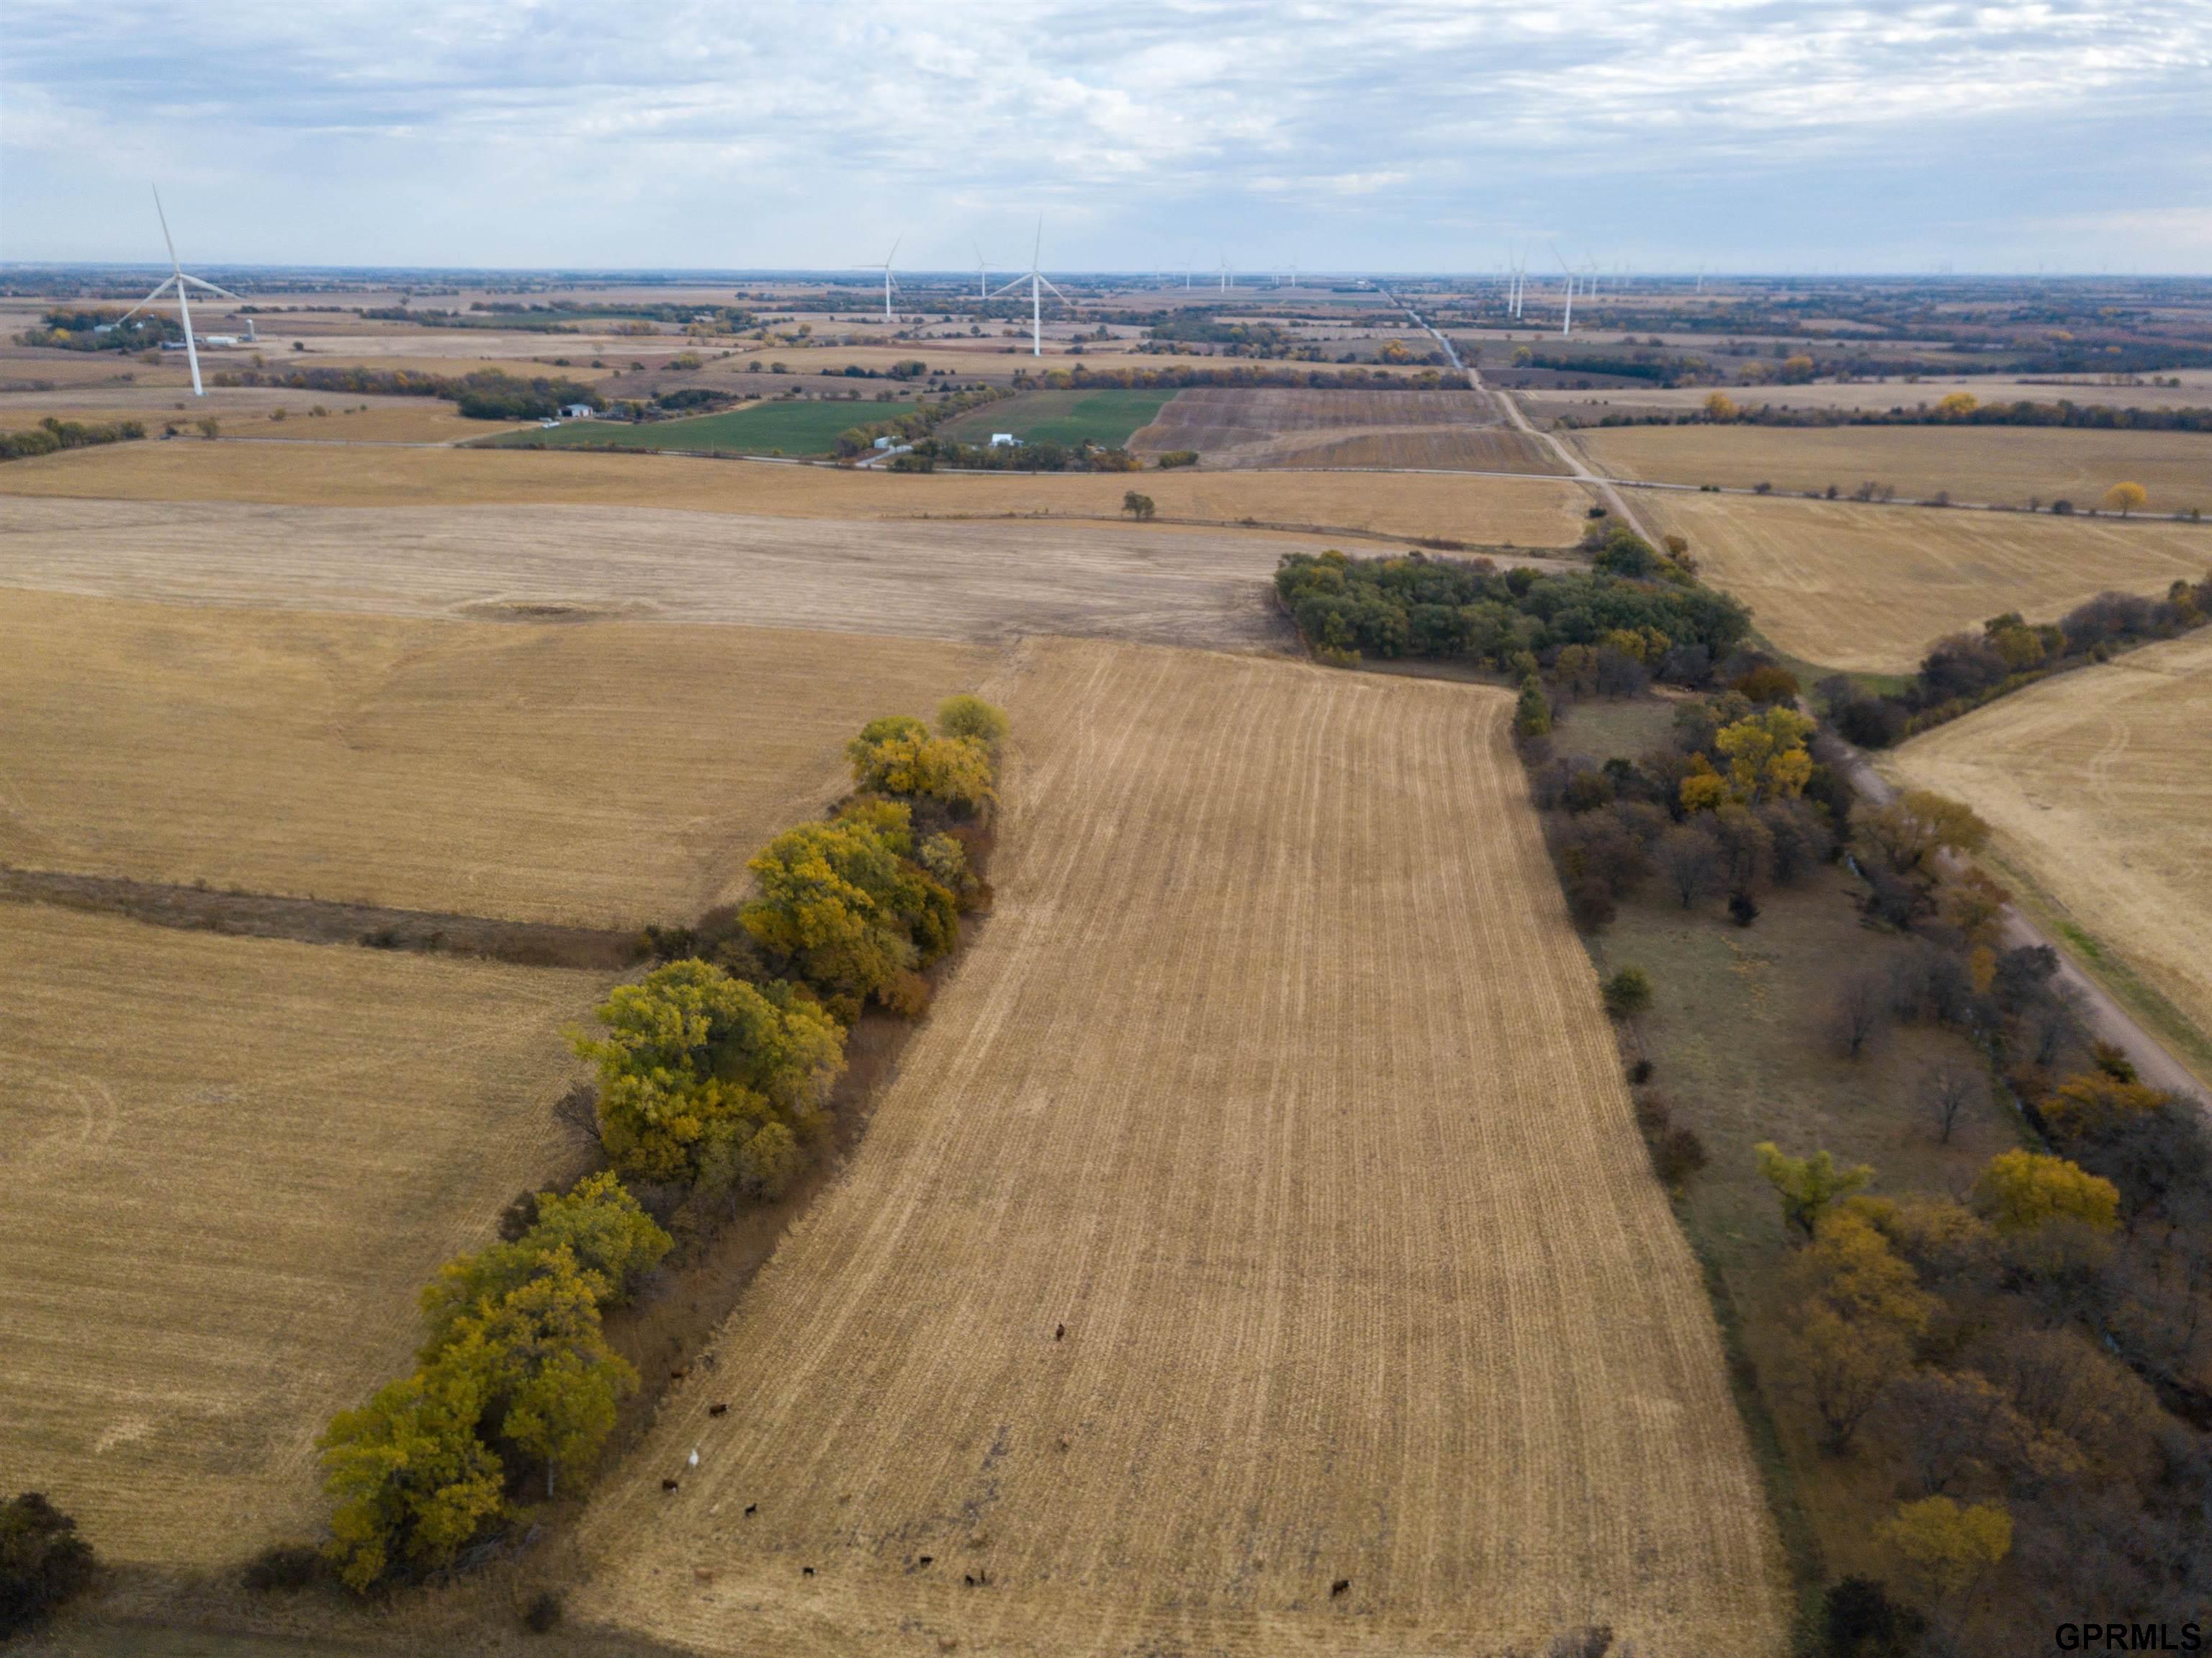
[(982, 275), (1567, 320), (177, 280), (1224, 273), (1036, 279), (888, 283)]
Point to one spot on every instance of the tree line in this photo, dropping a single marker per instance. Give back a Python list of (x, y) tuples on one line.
[(1964, 671), (713, 1075), (1355, 377), (2094, 417), (67, 330), (50, 436), (486, 395), (1637, 615)]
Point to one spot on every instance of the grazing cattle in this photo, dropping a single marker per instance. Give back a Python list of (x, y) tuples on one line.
[(1059, 1332), (806, 1571), (718, 1410), (693, 1461), (925, 1560), (752, 1509), (668, 1484), (1342, 1586), (678, 1376)]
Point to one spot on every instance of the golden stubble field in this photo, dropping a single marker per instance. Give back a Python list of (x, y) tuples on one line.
[(1280, 1082), (1870, 588), (2009, 465), (1282, 427), (2098, 786), (1533, 512), (231, 1163), (606, 774), (255, 411)]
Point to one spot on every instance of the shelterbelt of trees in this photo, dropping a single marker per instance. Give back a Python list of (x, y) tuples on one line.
[(1354, 378), (487, 394), (713, 1074)]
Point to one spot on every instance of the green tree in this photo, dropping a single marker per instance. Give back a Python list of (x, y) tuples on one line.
[(598, 1224), (693, 1058), (964, 715), (43, 1561), (412, 1482), (1532, 713), (1807, 1186), (1139, 506), (1627, 993), (851, 914)]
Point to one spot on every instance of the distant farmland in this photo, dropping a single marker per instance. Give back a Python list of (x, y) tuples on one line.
[(1289, 428), (775, 428), (1104, 418)]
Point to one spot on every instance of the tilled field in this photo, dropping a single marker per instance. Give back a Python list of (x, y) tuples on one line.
[(231, 1165), (2097, 784), (950, 581), (1869, 587), (607, 774), (1255, 1254), (1282, 427), (1530, 512)]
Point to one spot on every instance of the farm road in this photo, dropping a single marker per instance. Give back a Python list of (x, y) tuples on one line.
[(981, 581), (2112, 1022), (1601, 486)]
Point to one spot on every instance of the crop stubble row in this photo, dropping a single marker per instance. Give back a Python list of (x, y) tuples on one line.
[(1280, 1081)]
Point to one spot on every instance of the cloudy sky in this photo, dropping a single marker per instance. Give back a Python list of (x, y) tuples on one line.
[(1664, 134)]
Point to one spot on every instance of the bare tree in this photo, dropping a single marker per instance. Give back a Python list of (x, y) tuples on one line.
[(1947, 1091), (1860, 1006), (1692, 859)]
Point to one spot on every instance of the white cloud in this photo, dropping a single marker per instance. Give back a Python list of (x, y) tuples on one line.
[(698, 134)]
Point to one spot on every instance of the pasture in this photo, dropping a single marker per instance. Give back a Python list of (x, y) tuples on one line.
[(795, 428), (608, 774), (1346, 1317), (1282, 427), (2012, 466), (232, 1163), (1106, 418), (1538, 512), (2096, 784), (1867, 588)]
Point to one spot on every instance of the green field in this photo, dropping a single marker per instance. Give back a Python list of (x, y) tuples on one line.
[(765, 428), (1071, 417)]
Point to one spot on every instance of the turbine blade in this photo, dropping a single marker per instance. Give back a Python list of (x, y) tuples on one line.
[(165, 237), (212, 289), (163, 289), (894, 253), (1047, 281), (1011, 286)]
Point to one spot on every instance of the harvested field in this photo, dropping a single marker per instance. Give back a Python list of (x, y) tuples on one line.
[(943, 581), (254, 411), (1363, 1273), (231, 1165), (1539, 512), (1286, 428), (1879, 395), (607, 774), (2009, 465), (2098, 784), (1868, 589)]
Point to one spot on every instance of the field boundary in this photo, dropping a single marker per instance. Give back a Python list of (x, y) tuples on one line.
[(324, 921)]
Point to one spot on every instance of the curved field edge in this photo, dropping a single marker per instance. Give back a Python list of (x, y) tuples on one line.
[(2095, 784), (1280, 1081)]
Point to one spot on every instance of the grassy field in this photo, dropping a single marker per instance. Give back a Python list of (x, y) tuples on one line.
[(762, 429), (234, 1163), (610, 774), (2098, 786), (1868, 588), (1107, 417), (2011, 464), (254, 411), (1539, 512), (1362, 1273)]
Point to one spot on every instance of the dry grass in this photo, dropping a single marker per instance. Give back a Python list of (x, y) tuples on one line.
[(2098, 784), (1538, 512), (1882, 395), (1286, 428), (2011, 465), (232, 1163), (954, 581), (253, 412), (1868, 589), (608, 774), (1363, 1273)]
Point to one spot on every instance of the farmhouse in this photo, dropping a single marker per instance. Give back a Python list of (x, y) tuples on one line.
[(576, 412)]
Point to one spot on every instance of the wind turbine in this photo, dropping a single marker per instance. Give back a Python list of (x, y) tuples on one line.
[(1567, 321), (1036, 279), (888, 283), (982, 275), (177, 280), (1224, 273)]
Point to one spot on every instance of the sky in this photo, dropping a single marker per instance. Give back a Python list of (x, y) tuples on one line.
[(1662, 135)]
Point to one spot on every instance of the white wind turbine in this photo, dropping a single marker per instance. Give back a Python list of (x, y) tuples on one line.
[(1227, 278), (888, 283), (1567, 320), (982, 275), (177, 280), (1035, 279)]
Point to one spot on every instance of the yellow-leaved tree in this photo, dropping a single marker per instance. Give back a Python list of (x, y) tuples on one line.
[(2021, 1191), (1946, 1546), (1807, 1186), (1766, 755), (2125, 498)]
